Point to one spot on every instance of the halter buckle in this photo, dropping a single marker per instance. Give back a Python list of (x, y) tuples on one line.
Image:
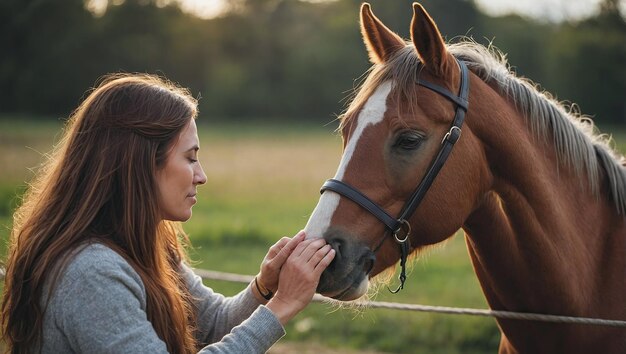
[(404, 226), (451, 135)]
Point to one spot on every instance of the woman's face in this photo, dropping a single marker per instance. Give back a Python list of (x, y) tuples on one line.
[(182, 173)]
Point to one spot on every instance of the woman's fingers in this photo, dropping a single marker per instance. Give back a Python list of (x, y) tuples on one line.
[(319, 254), (324, 262), (315, 256), (310, 248), (275, 259), (299, 276), (289, 248), (277, 247), (301, 247)]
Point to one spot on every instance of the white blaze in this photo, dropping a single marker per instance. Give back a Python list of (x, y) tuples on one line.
[(371, 114)]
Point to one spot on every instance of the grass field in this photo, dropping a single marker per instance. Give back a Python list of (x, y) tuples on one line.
[(263, 182)]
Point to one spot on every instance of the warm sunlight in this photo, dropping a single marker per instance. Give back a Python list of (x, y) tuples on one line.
[(203, 8), (551, 10), (200, 8)]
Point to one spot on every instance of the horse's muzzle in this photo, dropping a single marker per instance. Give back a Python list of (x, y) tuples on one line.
[(346, 277)]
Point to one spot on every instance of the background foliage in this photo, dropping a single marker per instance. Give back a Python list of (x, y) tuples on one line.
[(281, 58), (290, 62)]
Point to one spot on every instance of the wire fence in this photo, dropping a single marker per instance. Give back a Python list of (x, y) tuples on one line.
[(239, 278), (511, 315)]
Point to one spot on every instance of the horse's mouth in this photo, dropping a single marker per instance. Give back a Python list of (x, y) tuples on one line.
[(355, 290), (346, 278)]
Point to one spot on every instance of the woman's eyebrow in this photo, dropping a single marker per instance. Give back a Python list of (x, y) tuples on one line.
[(194, 148)]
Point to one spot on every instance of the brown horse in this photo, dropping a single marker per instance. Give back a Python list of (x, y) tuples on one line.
[(540, 197)]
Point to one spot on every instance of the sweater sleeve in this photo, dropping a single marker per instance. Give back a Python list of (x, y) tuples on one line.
[(100, 306), (218, 315)]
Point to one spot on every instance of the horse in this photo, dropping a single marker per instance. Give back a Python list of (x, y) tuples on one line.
[(449, 138)]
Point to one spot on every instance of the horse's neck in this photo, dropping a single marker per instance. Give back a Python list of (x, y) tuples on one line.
[(539, 240)]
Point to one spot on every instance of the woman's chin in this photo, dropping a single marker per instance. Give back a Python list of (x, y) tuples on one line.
[(182, 217)]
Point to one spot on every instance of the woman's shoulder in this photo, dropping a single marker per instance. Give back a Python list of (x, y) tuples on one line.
[(96, 263), (96, 299), (95, 255)]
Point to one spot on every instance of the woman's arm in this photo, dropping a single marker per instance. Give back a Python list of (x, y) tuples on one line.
[(217, 315), (294, 266), (99, 306)]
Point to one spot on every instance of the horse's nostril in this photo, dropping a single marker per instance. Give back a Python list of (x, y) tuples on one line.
[(337, 245), (368, 265)]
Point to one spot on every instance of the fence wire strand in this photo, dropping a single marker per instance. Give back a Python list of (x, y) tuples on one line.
[(238, 278), (511, 315)]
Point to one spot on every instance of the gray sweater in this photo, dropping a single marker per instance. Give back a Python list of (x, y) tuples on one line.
[(99, 306)]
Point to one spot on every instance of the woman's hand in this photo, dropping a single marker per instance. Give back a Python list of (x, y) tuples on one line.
[(299, 277), (274, 260)]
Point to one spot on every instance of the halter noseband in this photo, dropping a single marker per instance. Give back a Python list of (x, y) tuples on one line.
[(400, 227)]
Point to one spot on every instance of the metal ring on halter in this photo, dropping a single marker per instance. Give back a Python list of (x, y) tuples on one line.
[(407, 227)]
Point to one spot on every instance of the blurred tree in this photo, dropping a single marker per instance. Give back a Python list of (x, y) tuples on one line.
[(288, 59), (41, 65), (280, 58), (524, 43), (586, 64), (139, 36)]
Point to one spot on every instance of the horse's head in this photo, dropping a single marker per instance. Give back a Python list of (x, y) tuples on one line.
[(392, 134)]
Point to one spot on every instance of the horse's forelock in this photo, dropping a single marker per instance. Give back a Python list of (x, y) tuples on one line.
[(401, 69)]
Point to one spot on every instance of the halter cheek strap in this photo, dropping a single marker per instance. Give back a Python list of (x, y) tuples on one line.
[(400, 227)]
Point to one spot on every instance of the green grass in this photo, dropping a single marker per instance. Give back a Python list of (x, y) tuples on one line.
[(263, 183)]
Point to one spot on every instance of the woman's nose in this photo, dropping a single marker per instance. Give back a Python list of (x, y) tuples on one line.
[(200, 177)]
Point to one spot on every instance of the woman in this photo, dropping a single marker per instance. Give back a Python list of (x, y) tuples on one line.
[(96, 261)]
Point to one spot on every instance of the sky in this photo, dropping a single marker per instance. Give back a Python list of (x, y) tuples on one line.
[(546, 10), (550, 10)]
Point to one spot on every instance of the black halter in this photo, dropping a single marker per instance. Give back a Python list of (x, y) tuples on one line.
[(400, 227)]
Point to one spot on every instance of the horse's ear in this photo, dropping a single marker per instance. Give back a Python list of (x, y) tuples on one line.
[(428, 42), (380, 41)]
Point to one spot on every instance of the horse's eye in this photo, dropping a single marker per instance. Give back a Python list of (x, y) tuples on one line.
[(408, 141)]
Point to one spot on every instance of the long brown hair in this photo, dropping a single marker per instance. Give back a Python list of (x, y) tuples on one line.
[(99, 185)]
